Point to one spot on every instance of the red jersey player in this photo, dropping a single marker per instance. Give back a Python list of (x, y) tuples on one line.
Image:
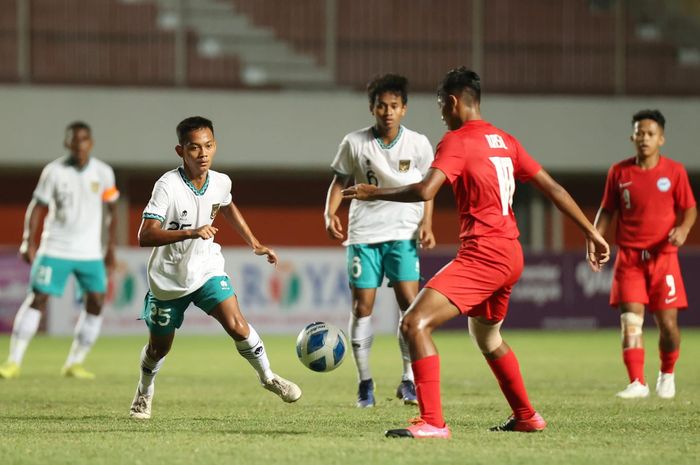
[(655, 211), (481, 163)]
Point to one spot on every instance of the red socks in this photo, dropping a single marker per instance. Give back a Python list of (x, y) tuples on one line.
[(507, 371), (668, 360), (426, 372), (634, 361)]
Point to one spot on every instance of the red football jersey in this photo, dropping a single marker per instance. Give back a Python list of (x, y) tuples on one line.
[(647, 202), (481, 163)]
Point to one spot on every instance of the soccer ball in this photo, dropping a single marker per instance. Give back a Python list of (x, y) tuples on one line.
[(321, 346)]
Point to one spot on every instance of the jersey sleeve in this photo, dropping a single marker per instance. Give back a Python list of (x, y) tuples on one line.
[(610, 200), (157, 207), (110, 193), (525, 167), (449, 157), (44, 188), (343, 163), (229, 197), (683, 193), (426, 155)]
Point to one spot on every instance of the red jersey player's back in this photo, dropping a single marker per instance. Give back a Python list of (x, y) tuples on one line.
[(481, 163), (647, 202)]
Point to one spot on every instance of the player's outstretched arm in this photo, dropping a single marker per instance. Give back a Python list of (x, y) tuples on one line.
[(597, 248), (334, 227), (421, 191), (151, 233), (32, 218), (679, 234), (235, 219)]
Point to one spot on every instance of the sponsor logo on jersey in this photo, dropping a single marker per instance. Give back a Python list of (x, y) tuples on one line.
[(404, 166), (625, 184), (95, 186), (183, 215), (214, 210), (663, 184)]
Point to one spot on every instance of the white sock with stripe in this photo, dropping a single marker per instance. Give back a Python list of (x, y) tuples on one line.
[(361, 338), (24, 328), (253, 350)]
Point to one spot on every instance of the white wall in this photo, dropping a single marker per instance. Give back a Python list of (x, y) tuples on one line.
[(301, 130)]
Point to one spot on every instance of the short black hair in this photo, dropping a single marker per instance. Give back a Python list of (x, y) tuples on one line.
[(76, 125), (394, 83), (654, 115), (187, 125), (458, 81)]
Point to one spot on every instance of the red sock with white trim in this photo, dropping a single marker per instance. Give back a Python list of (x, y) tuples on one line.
[(668, 360), (426, 372), (507, 371), (634, 361)]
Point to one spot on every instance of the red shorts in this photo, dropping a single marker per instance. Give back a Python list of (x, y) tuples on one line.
[(651, 279), (480, 279)]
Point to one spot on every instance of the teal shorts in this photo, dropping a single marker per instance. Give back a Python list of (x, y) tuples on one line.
[(49, 275), (369, 263), (165, 316)]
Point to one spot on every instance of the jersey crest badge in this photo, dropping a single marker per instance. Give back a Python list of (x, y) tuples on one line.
[(663, 184), (95, 186), (214, 210), (404, 166)]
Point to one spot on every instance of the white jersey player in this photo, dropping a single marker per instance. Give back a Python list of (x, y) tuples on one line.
[(186, 265), (382, 236), (74, 190)]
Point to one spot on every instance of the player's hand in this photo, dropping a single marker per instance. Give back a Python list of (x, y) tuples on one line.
[(677, 236), (262, 250), (27, 251), (598, 250), (110, 260), (334, 227), (359, 192), (426, 238), (205, 232)]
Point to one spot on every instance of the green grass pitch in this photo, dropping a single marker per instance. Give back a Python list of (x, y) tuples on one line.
[(209, 408)]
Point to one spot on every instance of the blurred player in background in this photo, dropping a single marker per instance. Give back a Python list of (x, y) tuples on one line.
[(481, 163), (382, 236), (186, 265), (74, 190), (655, 209)]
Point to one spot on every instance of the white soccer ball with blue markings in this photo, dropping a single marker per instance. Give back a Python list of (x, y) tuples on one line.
[(321, 346)]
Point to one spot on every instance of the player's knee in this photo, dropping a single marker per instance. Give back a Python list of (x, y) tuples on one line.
[(487, 337), (631, 324), (158, 351), (410, 325), (39, 301)]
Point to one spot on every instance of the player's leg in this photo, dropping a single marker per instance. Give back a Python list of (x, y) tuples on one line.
[(365, 272), (486, 334), (402, 267), (152, 359), (429, 311), (24, 328), (248, 343), (87, 330), (669, 350), (631, 322), (47, 277)]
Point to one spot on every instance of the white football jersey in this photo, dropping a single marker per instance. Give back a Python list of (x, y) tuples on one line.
[(75, 197), (366, 158), (178, 269)]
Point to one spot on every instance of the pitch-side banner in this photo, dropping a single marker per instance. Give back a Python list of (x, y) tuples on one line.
[(308, 284)]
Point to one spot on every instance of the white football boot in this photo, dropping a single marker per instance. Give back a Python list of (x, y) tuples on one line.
[(141, 405), (666, 386), (285, 389), (634, 390)]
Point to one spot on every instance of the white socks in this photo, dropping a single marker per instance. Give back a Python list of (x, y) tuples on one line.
[(253, 350), (149, 369), (361, 338), (23, 330), (86, 331), (405, 356)]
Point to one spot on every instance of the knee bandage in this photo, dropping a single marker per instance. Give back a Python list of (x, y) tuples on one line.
[(486, 337), (631, 324)]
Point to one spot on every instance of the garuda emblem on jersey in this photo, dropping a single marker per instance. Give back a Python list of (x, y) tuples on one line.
[(214, 210), (404, 166), (95, 186)]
